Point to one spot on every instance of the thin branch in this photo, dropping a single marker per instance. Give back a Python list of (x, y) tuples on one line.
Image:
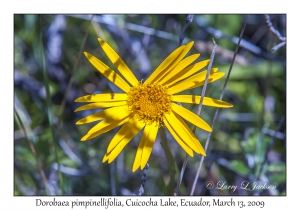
[(212, 56), (216, 113), (209, 167), (273, 133), (181, 174), (211, 60), (273, 30), (188, 21), (141, 190), (74, 71), (271, 145), (275, 48), (47, 187), (276, 33)]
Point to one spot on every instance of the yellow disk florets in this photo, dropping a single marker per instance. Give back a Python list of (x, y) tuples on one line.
[(149, 103)]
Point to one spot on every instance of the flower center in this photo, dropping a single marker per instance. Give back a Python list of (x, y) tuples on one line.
[(149, 103)]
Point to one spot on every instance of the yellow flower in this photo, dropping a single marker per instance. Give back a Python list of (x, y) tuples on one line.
[(149, 105)]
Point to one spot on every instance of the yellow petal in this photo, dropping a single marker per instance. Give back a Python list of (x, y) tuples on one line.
[(165, 64), (200, 149), (128, 127), (177, 78), (191, 117), (186, 72), (118, 63), (104, 126), (212, 78), (105, 97), (138, 155), (101, 105), (187, 83), (193, 99), (174, 63), (108, 72), (114, 113), (184, 132), (105, 158), (150, 139), (179, 68), (177, 137), (194, 81), (214, 70), (123, 136)]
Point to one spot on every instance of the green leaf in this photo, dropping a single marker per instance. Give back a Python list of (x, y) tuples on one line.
[(239, 167)]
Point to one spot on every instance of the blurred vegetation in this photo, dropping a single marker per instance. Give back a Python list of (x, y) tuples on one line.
[(248, 141)]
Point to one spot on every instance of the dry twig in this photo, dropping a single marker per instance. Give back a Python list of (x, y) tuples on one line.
[(32, 148), (198, 111), (188, 21), (141, 190), (276, 33), (216, 113)]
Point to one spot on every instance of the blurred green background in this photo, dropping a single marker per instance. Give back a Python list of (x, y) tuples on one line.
[(248, 142)]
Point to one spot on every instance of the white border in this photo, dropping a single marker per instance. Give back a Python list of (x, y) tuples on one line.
[(8, 8), (143, 202)]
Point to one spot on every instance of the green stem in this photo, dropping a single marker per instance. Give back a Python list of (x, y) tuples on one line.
[(49, 109), (170, 160), (32, 148)]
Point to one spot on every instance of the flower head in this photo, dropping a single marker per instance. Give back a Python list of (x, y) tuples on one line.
[(149, 105)]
